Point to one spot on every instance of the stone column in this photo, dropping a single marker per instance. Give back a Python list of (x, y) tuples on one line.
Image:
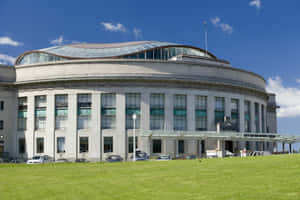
[(121, 137), (29, 136), (190, 112), (72, 145), (145, 111), (50, 139), (169, 115), (211, 113), (95, 135)]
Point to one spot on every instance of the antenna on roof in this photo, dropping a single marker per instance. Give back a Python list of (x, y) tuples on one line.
[(205, 35)]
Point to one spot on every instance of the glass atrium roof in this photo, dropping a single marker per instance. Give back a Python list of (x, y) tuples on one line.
[(134, 50)]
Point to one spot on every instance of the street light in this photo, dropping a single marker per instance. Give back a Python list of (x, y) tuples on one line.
[(134, 118)]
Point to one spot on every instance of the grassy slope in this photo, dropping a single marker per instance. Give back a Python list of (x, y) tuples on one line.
[(273, 177)]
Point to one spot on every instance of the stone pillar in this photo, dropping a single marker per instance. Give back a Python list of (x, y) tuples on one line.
[(145, 111), (50, 139), (169, 115), (72, 145), (29, 136), (227, 107), (95, 134), (211, 113), (119, 141), (191, 112), (252, 116)]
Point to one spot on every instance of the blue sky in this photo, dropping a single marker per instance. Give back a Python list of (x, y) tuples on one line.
[(257, 35)]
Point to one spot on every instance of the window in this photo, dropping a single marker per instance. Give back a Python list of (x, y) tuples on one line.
[(235, 114), (84, 144), (60, 145), (108, 111), (262, 118), (257, 117), (130, 144), (1, 105), (22, 113), (1, 125), (61, 111), (133, 103), (157, 113), (22, 145), (84, 104), (180, 146), (247, 145), (201, 113), (40, 112), (180, 119), (247, 117), (156, 146), (39, 145), (108, 144), (219, 109)]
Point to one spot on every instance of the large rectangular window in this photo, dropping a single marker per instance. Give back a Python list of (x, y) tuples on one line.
[(39, 145), (262, 118), (201, 113), (84, 144), (235, 114), (130, 144), (84, 104), (40, 112), (22, 113), (61, 145), (133, 106), (108, 145), (1, 105), (61, 111), (180, 146), (219, 109), (247, 117), (156, 146), (157, 113), (1, 124), (256, 111), (108, 111), (180, 113), (22, 146)]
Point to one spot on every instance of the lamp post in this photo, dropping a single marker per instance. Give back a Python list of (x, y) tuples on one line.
[(134, 118)]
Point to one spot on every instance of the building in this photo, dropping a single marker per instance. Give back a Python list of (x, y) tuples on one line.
[(77, 101)]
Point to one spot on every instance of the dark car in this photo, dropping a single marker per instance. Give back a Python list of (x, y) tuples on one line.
[(140, 156), (114, 158)]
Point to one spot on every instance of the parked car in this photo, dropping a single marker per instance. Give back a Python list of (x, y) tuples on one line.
[(114, 158), (61, 160), (140, 156), (164, 157), (38, 160)]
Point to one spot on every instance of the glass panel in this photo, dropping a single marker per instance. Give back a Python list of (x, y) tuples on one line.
[(22, 114), (108, 144), (61, 112), (179, 112), (84, 111), (108, 111), (131, 111), (201, 113), (157, 111)]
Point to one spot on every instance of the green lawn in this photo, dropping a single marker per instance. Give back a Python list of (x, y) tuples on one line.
[(253, 178)]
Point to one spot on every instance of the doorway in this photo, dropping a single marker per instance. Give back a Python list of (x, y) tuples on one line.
[(229, 146)]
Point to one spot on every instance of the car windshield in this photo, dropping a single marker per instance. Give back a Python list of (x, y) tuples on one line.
[(36, 158)]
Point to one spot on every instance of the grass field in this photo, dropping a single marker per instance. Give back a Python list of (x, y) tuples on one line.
[(252, 178)]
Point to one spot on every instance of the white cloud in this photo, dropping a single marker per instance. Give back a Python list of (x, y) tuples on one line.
[(288, 98), (113, 28), (137, 33), (58, 41), (8, 41), (255, 3), (6, 59), (216, 21)]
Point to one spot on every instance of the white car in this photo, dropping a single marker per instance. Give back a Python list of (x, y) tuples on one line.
[(37, 160)]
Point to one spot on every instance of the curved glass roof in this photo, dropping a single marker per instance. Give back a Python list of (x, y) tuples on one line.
[(134, 50)]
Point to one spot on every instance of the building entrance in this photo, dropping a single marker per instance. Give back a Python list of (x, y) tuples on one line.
[(229, 146)]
